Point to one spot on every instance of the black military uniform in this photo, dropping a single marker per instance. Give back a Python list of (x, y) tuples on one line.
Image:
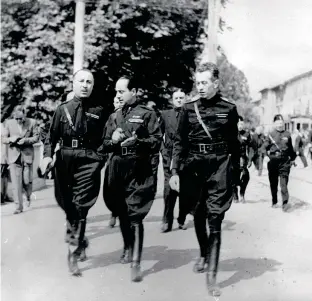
[(279, 148), (130, 179), (168, 124), (208, 166), (246, 154), (110, 122), (78, 126), (258, 155), (299, 149)]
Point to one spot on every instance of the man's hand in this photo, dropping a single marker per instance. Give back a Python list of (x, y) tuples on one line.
[(297, 153), (118, 135), (174, 183), (45, 162), (249, 164), (130, 141), (13, 139), (21, 141)]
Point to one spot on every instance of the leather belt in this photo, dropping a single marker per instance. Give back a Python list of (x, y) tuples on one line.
[(212, 148), (126, 150), (277, 155), (77, 143)]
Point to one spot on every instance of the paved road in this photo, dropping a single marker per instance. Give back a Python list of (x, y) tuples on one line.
[(265, 255)]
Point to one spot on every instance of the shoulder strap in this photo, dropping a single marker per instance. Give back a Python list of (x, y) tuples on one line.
[(200, 120), (273, 141), (70, 121)]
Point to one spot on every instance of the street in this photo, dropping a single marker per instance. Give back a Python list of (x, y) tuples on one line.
[(265, 253)]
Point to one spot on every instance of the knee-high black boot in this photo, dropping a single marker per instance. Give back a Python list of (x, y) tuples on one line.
[(79, 252), (138, 236), (127, 236), (200, 225), (213, 262)]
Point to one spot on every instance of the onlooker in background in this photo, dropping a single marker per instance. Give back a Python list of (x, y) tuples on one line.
[(20, 134), (4, 168), (309, 143), (257, 142), (299, 147)]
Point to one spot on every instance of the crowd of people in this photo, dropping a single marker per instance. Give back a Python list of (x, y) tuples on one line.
[(206, 152)]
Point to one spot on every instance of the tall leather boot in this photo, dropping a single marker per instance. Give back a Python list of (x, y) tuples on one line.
[(127, 236), (200, 225), (79, 252), (213, 262), (138, 235)]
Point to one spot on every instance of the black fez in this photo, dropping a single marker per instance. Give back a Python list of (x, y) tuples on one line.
[(278, 117)]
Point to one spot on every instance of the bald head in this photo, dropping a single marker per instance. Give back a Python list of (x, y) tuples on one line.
[(83, 83)]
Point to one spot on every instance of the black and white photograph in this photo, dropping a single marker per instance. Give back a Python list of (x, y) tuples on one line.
[(156, 150)]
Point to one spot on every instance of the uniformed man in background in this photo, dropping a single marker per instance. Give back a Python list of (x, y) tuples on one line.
[(168, 125), (77, 125), (133, 139), (246, 154), (257, 143), (205, 158), (279, 148), (117, 105), (299, 147)]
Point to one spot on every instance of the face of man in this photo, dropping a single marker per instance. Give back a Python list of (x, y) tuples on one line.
[(123, 94), (206, 85), (259, 130), (116, 103), (240, 125), (279, 125), (83, 84), (178, 99), (19, 117)]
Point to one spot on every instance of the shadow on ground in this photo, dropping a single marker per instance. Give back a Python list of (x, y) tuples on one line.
[(166, 259), (246, 268)]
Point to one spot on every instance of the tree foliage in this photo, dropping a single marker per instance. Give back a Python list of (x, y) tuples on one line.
[(157, 43)]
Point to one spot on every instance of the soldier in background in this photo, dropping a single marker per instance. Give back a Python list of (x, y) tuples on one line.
[(257, 143), (111, 120), (133, 138), (279, 148), (168, 125), (205, 159), (77, 125), (299, 147), (246, 154)]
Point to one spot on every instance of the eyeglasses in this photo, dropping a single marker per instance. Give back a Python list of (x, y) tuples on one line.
[(18, 119)]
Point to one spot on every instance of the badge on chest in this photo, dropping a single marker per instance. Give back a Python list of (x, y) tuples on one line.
[(136, 119), (221, 115)]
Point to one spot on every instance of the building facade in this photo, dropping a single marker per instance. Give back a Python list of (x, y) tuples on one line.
[(292, 99)]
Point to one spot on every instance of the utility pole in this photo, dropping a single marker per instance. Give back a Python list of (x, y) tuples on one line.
[(79, 35), (211, 46)]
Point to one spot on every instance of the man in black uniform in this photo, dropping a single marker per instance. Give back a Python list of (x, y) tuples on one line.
[(168, 125), (258, 155), (205, 156), (246, 154), (117, 105), (279, 148), (299, 148), (77, 125), (133, 138)]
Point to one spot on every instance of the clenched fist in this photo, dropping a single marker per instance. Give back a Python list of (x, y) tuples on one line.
[(174, 183), (118, 135)]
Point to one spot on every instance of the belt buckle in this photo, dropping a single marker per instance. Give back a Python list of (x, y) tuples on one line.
[(74, 143), (202, 148), (124, 150)]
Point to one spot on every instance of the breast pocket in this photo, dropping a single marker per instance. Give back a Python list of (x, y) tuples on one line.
[(135, 125), (64, 123)]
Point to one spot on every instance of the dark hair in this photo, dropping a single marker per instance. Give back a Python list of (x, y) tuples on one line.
[(177, 89), (132, 82), (240, 118), (278, 117), (209, 67), (86, 70)]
